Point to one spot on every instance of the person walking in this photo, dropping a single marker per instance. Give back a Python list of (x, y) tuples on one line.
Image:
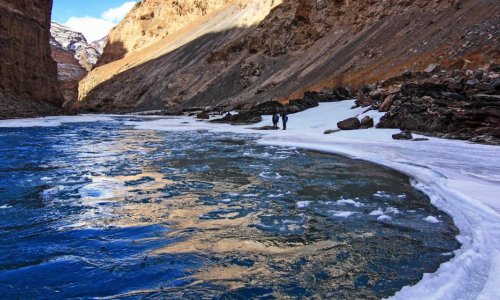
[(276, 119), (284, 118)]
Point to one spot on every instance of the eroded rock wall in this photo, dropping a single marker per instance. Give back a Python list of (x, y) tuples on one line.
[(28, 74)]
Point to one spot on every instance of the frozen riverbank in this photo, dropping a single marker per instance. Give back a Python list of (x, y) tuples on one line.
[(462, 179)]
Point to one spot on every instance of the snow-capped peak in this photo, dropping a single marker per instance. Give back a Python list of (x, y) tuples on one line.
[(74, 42)]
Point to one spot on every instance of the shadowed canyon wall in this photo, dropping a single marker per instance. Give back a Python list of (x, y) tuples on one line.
[(28, 74), (295, 45)]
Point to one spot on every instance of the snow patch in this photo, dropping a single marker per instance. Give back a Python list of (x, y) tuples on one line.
[(377, 212), (350, 202), (431, 219), (384, 218), (343, 214), (303, 204)]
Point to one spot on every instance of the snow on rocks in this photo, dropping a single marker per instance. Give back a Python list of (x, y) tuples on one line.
[(431, 219)]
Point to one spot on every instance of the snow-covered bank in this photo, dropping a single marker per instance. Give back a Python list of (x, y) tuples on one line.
[(462, 179)]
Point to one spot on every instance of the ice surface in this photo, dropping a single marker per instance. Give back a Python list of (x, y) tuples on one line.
[(384, 218), (377, 212), (53, 121), (350, 202), (461, 178), (343, 214)]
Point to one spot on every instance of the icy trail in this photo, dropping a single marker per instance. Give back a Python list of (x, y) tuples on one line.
[(461, 178)]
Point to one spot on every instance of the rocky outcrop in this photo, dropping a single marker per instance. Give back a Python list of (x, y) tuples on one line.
[(69, 71), (99, 45), (28, 74), (456, 103), (74, 42), (74, 57)]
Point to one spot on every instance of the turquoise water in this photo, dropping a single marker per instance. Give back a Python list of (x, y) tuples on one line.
[(99, 209)]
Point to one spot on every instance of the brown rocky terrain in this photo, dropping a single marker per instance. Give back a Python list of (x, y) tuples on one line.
[(150, 21), (28, 74), (299, 46)]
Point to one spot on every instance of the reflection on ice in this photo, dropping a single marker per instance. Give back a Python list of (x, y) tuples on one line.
[(191, 214)]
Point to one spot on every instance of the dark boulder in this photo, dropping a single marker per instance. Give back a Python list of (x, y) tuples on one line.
[(367, 122), (424, 89), (386, 105), (405, 135), (330, 131), (349, 124), (240, 119), (203, 116)]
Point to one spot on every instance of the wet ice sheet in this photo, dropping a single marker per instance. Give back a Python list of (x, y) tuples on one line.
[(158, 214), (462, 178)]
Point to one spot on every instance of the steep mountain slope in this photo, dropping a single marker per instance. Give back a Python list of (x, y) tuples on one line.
[(74, 57), (300, 45), (77, 44), (99, 45), (201, 37), (28, 74), (69, 70), (152, 20)]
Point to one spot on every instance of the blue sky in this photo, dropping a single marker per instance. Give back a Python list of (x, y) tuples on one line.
[(93, 18)]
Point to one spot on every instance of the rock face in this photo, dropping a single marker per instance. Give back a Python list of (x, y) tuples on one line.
[(28, 74), (99, 45), (74, 42), (218, 60), (69, 71), (456, 103), (74, 57)]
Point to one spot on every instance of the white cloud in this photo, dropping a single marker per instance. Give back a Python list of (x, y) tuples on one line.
[(96, 28), (92, 28), (115, 15)]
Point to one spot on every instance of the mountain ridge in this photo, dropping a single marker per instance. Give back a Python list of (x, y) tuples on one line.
[(298, 46)]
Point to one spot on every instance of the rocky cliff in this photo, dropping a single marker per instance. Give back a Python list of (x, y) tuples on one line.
[(299, 46), (28, 74), (69, 71), (74, 42), (74, 57)]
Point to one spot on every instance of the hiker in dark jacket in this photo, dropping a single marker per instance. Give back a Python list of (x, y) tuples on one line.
[(276, 119), (284, 118)]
